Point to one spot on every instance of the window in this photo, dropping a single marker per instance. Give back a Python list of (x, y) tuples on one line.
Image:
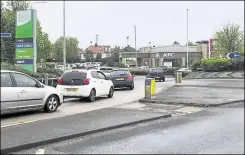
[(6, 80), (101, 76), (24, 81), (119, 73), (73, 78), (94, 74)]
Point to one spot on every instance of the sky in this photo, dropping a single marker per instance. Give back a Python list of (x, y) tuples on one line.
[(158, 22)]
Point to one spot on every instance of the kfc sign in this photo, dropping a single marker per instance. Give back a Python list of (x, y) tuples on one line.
[(168, 54)]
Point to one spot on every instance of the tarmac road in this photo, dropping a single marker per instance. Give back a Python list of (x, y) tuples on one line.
[(215, 130), (74, 106)]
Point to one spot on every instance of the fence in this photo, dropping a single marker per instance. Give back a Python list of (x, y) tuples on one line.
[(48, 81)]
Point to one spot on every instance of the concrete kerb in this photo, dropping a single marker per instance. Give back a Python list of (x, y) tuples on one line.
[(59, 139), (187, 78), (187, 104)]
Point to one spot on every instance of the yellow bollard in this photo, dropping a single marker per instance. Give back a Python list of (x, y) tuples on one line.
[(150, 88), (178, 77)]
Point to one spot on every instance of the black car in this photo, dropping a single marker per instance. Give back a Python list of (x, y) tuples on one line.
[(122, 78), (157, 74)]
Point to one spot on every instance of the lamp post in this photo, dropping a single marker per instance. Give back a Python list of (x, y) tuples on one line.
[(64, 36), (187, 46), (136, 64)]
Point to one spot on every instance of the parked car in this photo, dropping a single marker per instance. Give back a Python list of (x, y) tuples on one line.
[(185, 71), (122, 78), (82, 83), (156, 73), (105, 70), (20, 92)]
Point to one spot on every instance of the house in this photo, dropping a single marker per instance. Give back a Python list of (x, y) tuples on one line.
[(105, 51)]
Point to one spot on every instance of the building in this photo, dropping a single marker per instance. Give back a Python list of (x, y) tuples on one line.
[(105, 51), (172, 55)]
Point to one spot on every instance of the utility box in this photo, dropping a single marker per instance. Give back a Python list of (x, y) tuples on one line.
[(150, 88), (178, 77)]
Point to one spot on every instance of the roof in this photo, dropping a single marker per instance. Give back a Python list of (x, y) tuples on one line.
[(95, 49), (10, 71), (174, 48)]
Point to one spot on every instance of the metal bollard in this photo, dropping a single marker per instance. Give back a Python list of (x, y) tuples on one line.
[(178, 77), (46, 79), (150, 88)]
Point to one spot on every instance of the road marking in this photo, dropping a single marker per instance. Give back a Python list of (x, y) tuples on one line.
[(189, 109), (4, 126), (40, 151)]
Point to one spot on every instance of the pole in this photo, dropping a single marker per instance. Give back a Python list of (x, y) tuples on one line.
[(187, 46), (136, 64), (209, 52), (64, 36)]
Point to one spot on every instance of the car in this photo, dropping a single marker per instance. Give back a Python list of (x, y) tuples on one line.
[(82, 83), (105, 70), (122, 78), (156, 73), (185, 71), (21, 92)]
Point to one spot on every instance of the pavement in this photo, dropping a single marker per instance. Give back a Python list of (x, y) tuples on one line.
[(216, 75), (218, 130), (202, 92)]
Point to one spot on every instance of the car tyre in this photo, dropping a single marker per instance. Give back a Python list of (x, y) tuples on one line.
[(92, 96), (111, 92), (52, 104), (132, 87), (163, 79)]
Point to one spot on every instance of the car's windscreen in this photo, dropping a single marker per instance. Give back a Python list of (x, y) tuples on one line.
[(120, 73), (156, 70), (73, 78)]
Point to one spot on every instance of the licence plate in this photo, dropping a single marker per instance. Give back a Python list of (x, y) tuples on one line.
[(120, 79), (71, 89)]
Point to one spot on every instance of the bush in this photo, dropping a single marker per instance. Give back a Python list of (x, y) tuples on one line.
[(196, 64), (215, 64), (237, 64), (138, 71)]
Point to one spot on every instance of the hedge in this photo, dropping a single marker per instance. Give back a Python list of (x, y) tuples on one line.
[(217, 64), (138, 71)]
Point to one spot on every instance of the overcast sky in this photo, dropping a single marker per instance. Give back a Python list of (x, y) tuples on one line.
[(158, 22)]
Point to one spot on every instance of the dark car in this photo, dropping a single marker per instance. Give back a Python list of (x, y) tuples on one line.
[(122, 78), (157, 74)]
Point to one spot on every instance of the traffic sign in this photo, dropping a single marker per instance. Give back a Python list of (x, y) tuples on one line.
[(5, 35)]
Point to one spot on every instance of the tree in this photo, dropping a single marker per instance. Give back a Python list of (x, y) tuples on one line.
[(98, 57), (229, 39), (176, 43), (190, 43), (89, 56), (71, 49)]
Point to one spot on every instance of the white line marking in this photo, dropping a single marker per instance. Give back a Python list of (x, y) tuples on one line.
[(40, 151)]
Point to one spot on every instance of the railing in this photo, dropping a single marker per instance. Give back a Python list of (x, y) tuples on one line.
[(48, 81)]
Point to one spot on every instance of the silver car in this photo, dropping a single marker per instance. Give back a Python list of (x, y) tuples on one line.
[(20, 92)]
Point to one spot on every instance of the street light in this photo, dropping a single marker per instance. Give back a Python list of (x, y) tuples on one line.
[(135, 45), (187, 46), (64, 36)]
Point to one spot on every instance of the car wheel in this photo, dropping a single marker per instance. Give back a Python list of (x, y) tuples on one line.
[(111, 92), (131, 87), (163, 79), (92, 95), (52, 104)]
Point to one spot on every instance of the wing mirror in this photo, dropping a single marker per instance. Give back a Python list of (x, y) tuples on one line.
[(39, 85)]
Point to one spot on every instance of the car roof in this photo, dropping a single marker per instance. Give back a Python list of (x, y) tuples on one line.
[(9, 71)]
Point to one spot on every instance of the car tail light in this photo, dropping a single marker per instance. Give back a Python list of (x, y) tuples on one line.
[(130, 77), (59, 80), (86, 81)]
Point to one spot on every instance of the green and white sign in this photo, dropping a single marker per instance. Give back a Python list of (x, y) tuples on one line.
[(26, 51)]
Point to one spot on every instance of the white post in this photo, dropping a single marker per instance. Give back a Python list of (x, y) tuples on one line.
[(187, 46), (64, 35), (209, 52)]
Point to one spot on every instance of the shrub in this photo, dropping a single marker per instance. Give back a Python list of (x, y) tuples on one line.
[(236, 64), (215, 64), (138, 71), (196, 64)]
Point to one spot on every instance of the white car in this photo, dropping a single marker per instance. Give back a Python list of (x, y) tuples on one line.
[(20, 92), (79, 83)]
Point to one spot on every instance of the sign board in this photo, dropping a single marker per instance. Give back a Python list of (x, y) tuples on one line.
[(168, 54), (233, 55), (25, 39), (5, 35), (168, 64)]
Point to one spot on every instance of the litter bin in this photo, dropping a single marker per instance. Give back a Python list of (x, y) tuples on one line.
[(150, 88), (178, 77)]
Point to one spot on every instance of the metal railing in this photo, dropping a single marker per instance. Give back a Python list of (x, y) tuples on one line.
[(48, 81)]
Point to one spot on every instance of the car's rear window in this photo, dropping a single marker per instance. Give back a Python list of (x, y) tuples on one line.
[(106, 70), (73, 78), (156, 70), (120, 72)]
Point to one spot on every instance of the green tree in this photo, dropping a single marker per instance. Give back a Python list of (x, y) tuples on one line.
[(190, 43), (89, 56), (176, 43), (229, 39), (71, 49), (98, 57)]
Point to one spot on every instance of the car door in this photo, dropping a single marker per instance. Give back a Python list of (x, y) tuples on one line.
[(97, 83), (104, 83), (9, 94), (30, 96)]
